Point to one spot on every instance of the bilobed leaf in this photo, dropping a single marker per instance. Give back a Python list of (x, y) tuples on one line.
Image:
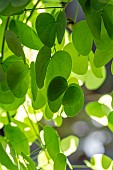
[(13, 43), (46, 28), (33, 80), (5, 160), (59, 65), (27, 35), (60, 162), (42, 61), (83, 44), (51, 139), (61, 25), (17, 139), (29, 162), (69, 144), (56, 88), (18, 78), (102, 57), (79, 62), (108, 19), (73, 100)]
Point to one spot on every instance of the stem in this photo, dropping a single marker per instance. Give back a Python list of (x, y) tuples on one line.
[(32, 10), (49, 7), (80, 166), (76, 13), (8, 117), (3, 41)]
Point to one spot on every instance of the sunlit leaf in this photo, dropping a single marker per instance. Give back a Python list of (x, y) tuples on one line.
[(58, 121), (56, 88), (83, 44), (60, 162), (19, 142), (110, 121), (52, 141), (69, 145)]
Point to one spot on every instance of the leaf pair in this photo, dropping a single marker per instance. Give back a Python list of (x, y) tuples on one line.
[(47, 28)]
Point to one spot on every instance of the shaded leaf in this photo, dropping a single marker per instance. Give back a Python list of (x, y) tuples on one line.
[(60, 162)]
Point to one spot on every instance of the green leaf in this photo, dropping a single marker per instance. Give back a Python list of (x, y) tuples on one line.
[(13, 43), (102, 57), (46, 28), (19, 3), (41, 65), (73, 100), (51, 139), (29, 162), (56, 88), (6, 97), (18, 78), (48, 113), (2, 74), (5, 160), (19, 142), (27, 35), (108, 19), (79, 62), (98, 72), (59, 65), (93, 19), (110, 121), (112, 67), (104, 42), (33, 80), (69, 144), (83, 44), (98, 5), (60, 162), (58, 121), (61, 25)]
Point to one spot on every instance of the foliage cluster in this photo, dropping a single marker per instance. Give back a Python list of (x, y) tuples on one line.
[(42, 69)]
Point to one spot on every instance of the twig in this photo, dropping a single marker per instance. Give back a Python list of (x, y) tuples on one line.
[(49, 7)]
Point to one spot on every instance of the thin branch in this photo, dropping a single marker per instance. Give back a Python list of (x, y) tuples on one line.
[(3, 41), (80, 166), (32, 10), (49, 7), (8, 117)]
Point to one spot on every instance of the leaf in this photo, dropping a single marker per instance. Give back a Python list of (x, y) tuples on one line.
[(13, 43), (46, 28), (41, 65), (58, 121), (51, 139), (48, 113), (98, 72), (83, 44), (102, 57), (29, 162), (19, 142), (61, 25), (73, 100), (79, 62), (98, 5), (56, 88), (6, 97), (93, 19), (69, 144), (27, 35), (110, 121), (2, 74), (5, 160), (33, 80), (60, 162), (19, 3), (108, 19), (59, 65), (18, 78)]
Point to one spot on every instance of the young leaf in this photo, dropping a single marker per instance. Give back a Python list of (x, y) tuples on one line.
[(59, 65), (60, 162), (61, 25), (69, 144), (18, 78), (73, 100), (5, 160), (27, 35), (108, 19), (51, 139), (17, 139), (41, 65), (46, 28), (33, 80), (56, 88), (83, 44), (13, 43), (79, 62)]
